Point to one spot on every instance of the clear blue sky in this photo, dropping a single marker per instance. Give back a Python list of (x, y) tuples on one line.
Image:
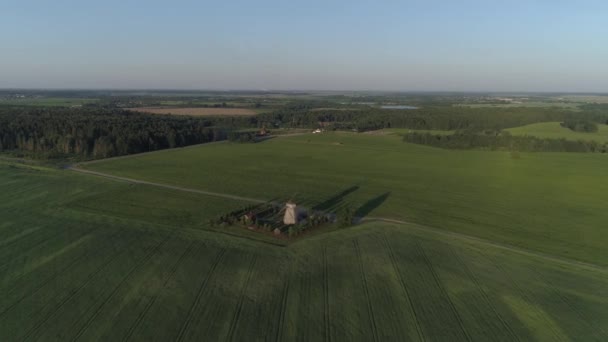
[(466, 45)]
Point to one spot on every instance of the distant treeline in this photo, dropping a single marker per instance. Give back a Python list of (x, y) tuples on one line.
[(502, 141), (578, 125), (101, 133), (364, 118)]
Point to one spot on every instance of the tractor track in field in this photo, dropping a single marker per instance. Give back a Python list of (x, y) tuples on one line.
[(366, 289), (326, 296), (141, 262), (71, 295), (411, 225), (284, 297), (36, 245), (483, 292), (182, 333), (520, 289), (442, 290), (239, 306), (153, 299), (52, 277), (40, 258), (404, 287)]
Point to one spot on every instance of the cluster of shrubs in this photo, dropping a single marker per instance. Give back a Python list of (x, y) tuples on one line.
[(312, 221), (580, 125), (262, 217), (268, 217)]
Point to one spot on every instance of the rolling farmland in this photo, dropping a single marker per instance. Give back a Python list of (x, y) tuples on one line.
[(85, 258), (527, 202), (553, 130)]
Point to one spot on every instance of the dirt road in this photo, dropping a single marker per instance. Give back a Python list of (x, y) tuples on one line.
[(410, 225)]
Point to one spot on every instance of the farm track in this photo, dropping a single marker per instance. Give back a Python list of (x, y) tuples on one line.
[(326, 296), (366, 288), (411, 225), (283, 308), (141, 262), (442, 289), (152, 300), (482, 291), (71, 295), (239, 306), (52, 277), (403, 286), (199, 294)]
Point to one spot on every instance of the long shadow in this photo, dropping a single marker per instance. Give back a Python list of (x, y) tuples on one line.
[(333, 201), (264, 138), (370, 205)]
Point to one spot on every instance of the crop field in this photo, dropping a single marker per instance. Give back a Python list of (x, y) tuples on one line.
[(47, 101), (553, 130), (86, 258), (549, 202), (525, 104), (196, 111)]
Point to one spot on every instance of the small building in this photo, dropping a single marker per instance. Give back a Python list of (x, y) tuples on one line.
[(291, 214)]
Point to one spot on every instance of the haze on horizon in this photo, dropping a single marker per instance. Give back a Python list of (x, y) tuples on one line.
[(469, 45)]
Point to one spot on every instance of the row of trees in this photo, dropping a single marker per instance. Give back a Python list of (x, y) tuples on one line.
[(503, 141), (578, 125), (365, 118)]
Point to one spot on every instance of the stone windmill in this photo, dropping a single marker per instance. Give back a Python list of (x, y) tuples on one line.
[(291, 213)]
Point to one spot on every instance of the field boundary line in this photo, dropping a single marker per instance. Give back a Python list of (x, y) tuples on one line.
[(239, 306), (366, 289), (141, 262), (195, 302), (443, 290), (404, 287), (483, 292), (153, 299)]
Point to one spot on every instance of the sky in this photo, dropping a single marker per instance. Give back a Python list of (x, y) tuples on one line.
[(432, 45)]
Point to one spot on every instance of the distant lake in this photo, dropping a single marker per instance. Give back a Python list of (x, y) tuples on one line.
[(398, 107)]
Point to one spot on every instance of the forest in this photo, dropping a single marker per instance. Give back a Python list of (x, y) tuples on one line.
[(99, 133), (93, 132), (463, 140)]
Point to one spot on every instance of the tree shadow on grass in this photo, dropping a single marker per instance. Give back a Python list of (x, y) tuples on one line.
[(334, 201), (370, 205)]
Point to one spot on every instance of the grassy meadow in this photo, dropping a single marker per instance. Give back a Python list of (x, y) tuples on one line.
[(553, 130), (85, 258), (549, 202)]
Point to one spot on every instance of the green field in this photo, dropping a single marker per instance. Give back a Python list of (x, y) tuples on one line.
[(47, 101), (549, 202), (553, 130), (525, 104), (84, 258)]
